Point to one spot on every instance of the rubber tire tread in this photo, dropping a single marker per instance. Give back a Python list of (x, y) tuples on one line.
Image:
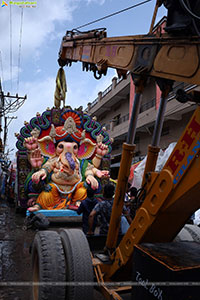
[(78, 264), (47, 246), (189, 233)]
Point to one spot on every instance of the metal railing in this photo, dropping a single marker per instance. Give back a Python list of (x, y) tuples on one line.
[(123, 119), (106, 91), (109, 88), (144, 106), (148, 105)]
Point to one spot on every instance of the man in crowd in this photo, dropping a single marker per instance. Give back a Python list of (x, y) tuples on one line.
[(104, 209), (86, 207)]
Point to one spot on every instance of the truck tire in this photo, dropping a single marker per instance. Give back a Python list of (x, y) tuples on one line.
[(48, 264), (79, 268), (190, 233)]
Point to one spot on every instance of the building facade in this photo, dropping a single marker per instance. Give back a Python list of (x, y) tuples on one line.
[(113, 108)]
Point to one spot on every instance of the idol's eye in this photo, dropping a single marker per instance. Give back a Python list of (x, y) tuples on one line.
[(60, 146), (75, 147)]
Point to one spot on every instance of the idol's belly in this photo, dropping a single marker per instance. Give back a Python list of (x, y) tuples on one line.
[(63, 178)]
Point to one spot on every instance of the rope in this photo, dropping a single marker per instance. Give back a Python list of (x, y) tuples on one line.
[(61, 88), (154, 16)]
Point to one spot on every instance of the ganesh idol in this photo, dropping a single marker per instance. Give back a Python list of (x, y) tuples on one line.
[(67, 169)]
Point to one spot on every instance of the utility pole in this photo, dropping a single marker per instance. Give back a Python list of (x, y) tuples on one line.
[(6, 124), (1, 109), (7, 106)]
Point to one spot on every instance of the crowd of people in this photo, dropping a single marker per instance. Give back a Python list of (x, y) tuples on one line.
[(97, 213)]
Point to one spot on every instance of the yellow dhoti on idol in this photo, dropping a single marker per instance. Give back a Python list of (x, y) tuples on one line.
[(55, 198)]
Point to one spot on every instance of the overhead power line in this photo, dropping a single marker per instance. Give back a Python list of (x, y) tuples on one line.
[(113, 14), (20, 47), (2, 75), (11, 47)]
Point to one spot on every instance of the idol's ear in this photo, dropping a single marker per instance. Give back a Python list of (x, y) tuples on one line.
[(86, 149), (47, 146)]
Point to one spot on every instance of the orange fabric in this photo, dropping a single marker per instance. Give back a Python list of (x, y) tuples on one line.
[(133, 167), (52, 199)]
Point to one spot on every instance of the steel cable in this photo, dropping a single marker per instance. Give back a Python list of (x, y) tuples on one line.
[(20, 47), (113, 14)]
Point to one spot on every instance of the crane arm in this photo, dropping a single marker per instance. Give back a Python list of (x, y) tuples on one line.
[(164, 56)]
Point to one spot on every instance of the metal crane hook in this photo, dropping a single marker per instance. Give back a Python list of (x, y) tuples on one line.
[(97, 76)]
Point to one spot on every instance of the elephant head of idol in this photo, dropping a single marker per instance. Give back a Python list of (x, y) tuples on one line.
[(67, 167), (70, 137)]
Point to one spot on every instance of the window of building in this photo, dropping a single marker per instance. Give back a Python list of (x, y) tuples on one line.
[(102, 117), (165, 131), (116, 120), (117, 107), (115, 146), (137, 139), (125, 118)]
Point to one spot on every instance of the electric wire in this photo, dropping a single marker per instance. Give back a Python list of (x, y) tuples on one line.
[(20, 47), (189, 10), (113, 14), (2, 75), (11, 47), (11, 118), (13, 106)]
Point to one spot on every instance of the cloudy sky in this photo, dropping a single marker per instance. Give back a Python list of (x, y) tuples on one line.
[(33, 72)]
